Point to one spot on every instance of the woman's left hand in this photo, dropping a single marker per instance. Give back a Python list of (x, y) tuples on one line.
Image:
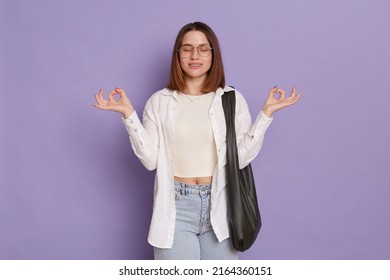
[(274, 103)]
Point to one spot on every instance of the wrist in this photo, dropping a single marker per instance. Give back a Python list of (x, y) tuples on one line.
[(127, 113), (267, 111)]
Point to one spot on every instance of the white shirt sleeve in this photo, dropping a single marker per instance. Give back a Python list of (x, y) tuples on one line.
[(143, 138), (249, 136)]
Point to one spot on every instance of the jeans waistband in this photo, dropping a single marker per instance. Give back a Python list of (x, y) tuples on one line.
[(186, 189)]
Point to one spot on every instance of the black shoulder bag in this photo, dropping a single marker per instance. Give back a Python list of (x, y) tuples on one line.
[(243, 210)]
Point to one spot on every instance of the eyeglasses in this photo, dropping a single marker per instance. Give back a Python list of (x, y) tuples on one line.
[(185, 51)]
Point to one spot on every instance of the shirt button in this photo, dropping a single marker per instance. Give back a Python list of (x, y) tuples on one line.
[(135, 130)]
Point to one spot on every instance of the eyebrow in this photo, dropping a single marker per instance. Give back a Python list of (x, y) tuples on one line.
[(204, 44)]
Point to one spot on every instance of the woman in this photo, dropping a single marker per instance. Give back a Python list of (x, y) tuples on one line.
[(182, 136)]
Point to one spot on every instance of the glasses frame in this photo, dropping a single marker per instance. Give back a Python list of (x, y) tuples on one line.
[(192, 50)]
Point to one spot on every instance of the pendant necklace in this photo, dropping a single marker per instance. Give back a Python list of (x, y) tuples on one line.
[(192, 98)]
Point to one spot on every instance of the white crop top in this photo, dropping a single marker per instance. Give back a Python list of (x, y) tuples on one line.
[(194, 148)]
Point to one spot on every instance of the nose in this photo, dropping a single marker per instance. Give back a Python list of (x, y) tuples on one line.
[(194, 53)]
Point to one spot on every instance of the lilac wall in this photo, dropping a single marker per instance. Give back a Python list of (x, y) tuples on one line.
[(71, 187)]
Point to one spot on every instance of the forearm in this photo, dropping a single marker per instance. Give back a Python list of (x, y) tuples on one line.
[(141, 142), (249, 144)]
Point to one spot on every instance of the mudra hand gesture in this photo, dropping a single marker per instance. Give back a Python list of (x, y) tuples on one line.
[(273, 104), (121, 105)]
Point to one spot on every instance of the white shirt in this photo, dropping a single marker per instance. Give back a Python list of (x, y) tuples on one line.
[(153, 140)]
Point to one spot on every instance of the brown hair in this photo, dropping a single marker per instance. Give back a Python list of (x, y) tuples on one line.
[(216, 75)]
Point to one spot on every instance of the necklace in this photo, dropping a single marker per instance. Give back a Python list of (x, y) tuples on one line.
[(192, 98)]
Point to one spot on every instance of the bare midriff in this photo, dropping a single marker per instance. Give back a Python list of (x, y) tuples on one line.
[(194, 180)]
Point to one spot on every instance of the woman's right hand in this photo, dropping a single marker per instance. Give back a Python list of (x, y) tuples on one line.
[(121, 105)]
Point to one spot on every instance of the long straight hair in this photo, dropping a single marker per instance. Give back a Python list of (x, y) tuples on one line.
[(215, 76)]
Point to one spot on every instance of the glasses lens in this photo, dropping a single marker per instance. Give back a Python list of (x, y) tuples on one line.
[(185, 51), (203, 50)]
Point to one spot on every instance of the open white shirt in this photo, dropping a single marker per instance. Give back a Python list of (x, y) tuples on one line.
[(153, 140)]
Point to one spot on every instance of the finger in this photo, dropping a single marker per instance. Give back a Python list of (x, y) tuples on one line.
[(282, 93), (295, 99), (111, 96), (122, 96), (293, 91), (99, 96), (101, 103), (100, 106), (273, 90), (120, 92), (99, 99), (292, 95)]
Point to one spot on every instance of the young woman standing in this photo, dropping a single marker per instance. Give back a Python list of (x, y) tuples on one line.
[(183, 137)]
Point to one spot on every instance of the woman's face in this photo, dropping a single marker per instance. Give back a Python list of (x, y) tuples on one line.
[(196, 66)]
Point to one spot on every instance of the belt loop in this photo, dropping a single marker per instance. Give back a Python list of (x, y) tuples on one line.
[(204, 191)]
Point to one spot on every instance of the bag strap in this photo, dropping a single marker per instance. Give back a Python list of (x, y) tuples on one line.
[(229, 108)]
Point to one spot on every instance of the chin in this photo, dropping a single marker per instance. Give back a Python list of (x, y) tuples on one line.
[(195, 74)]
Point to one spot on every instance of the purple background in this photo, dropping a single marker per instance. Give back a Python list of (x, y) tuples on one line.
[(71, 187)]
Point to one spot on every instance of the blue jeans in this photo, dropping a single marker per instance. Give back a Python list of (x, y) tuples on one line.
[(194, 237)]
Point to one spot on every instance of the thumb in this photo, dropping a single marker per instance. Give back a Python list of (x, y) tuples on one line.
[(120, 91)]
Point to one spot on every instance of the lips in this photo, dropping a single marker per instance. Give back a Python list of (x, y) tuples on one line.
[(195, 65)]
